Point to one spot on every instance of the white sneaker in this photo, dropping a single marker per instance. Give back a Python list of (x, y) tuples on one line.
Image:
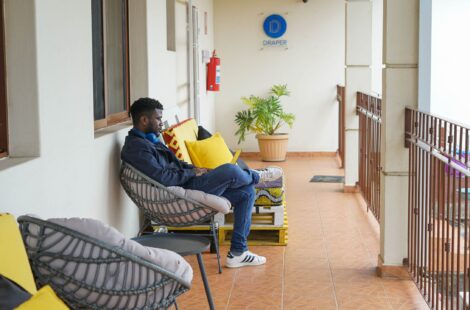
[(246, 259), (269, 174)]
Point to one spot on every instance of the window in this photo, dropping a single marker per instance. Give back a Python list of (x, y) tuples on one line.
[(3, 97), (110, 61)]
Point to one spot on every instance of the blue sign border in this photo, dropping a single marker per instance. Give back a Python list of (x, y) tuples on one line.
[(278, 20)]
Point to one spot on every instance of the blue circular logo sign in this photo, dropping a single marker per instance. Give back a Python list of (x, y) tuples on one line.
[(275, 26)]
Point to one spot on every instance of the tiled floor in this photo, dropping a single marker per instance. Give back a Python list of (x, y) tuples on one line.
[(329, 262)]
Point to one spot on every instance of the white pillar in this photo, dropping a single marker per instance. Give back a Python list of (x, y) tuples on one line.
[(357, 77), (425, 44), (400, 89)]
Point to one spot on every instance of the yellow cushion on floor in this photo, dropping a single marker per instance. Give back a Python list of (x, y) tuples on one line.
[(45, 298), (209, 153), (14, 262)]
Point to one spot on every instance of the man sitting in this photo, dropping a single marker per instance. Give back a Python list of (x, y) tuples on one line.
[(143, 150)]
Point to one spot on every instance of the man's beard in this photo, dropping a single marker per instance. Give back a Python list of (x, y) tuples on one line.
[(149, 129)]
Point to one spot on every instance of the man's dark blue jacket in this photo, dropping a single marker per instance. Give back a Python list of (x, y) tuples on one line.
[(155, 160)]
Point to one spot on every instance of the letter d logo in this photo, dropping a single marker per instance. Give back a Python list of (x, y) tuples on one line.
[(275, 26)]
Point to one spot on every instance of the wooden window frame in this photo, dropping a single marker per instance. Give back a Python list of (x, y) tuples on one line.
[(123, 116), (3, 96)]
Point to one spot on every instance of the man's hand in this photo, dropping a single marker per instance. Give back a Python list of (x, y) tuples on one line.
[(200, 171)]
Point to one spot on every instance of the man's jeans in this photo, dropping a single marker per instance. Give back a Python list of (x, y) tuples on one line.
[(237, 185)]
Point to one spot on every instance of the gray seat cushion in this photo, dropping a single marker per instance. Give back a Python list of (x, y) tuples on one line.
[(115, 276), (220, 204), (168, 260)]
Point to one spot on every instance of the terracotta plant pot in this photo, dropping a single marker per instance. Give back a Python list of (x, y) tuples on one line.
[(273, 147)]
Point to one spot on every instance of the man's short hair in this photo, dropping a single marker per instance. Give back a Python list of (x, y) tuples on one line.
[(144, 106)]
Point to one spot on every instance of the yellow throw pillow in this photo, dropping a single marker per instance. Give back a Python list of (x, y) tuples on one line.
[(45, 298), (14, 262), (209, 153)]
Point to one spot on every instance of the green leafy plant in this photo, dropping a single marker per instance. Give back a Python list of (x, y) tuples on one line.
[(264, 114)]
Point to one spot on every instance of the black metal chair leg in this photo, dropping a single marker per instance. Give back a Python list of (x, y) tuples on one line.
[(215, 235), (204, 280)]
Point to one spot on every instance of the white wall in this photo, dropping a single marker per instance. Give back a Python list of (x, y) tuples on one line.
[(76, 172), (311, 66), (171, 66), (450, 61), (206, 42), (181, 59)]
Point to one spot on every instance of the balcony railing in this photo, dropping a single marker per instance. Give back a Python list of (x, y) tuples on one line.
[(341, 122), (438, 213), (369, 109)]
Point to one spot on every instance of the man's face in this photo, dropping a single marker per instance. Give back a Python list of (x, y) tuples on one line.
[(154, 122)]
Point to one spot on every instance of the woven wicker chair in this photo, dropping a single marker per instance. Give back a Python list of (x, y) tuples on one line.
[(90, 274), (165, 208)]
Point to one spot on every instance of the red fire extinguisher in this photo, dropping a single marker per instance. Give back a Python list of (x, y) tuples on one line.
[(213, 73)]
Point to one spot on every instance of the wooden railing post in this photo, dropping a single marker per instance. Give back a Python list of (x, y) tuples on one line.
[(438, 209), (368, 108), (407, 127)]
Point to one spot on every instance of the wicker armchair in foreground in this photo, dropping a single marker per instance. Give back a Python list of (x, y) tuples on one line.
[(88, 273), (172, 206)]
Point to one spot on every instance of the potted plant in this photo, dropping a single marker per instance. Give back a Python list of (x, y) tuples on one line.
[(264, 117)]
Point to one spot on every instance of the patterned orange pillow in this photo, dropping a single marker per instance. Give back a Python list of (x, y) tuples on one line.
[(176, 135)]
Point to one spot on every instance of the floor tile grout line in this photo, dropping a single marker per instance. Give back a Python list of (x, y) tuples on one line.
[(364, 217), (361, 236), (327, 254), (309, 202), (366, 220), (234, 278)]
